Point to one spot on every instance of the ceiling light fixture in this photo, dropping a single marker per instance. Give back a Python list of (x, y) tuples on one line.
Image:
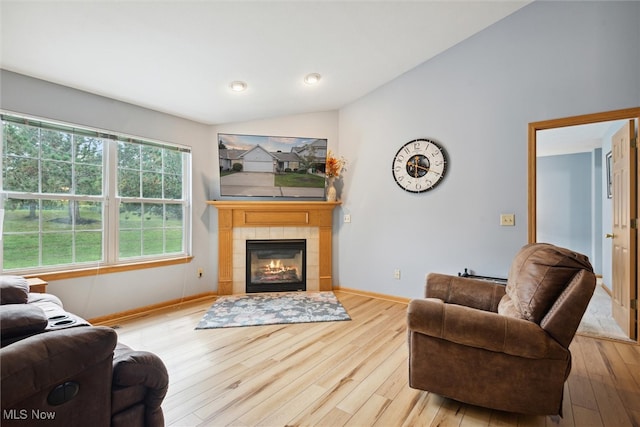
[(312, 79), (238, 86)]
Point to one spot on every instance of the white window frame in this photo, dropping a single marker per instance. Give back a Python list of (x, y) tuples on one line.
[(111, 201)]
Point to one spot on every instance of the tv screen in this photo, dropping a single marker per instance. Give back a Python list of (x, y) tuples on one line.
[(272, 166)]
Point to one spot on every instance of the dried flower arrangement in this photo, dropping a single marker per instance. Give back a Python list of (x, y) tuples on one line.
[(334, 165)]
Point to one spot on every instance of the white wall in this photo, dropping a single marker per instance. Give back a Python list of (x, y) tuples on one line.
[(548, 60), (111, 293)]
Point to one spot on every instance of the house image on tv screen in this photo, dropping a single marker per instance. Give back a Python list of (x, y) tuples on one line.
[(272, 166)]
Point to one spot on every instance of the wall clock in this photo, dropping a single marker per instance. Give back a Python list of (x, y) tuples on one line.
[(419, 165)]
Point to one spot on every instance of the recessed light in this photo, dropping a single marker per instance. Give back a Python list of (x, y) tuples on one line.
[(312, 79), (238, 86)]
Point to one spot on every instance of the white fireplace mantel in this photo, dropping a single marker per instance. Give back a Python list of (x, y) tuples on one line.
[(270, 217)]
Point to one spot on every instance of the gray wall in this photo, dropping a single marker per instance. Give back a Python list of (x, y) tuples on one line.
[(548, 60), (564, 188), (598, 198)]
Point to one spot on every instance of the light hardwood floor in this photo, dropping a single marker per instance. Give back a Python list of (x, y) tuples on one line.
[(351, 373)]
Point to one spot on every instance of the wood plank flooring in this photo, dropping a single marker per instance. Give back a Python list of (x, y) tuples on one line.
[(351, 373)]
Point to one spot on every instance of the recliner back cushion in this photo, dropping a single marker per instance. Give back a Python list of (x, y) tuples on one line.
[(539, 274), (13, 290)]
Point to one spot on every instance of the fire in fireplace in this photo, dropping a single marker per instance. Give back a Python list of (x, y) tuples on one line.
[(276, 265)]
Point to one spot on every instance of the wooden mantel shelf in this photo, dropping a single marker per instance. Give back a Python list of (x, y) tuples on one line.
[(273, 214), (276, 204), (234, 214)]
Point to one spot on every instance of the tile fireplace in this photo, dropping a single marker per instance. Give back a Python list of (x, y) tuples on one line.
[(243, 221)]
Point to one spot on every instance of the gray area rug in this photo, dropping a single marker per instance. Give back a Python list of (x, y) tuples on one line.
[(273, 308)]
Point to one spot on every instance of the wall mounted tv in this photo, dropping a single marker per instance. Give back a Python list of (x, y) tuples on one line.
[(272, 166)]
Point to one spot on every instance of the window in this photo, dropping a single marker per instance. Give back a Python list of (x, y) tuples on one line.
[(151, 219), (58, 182)]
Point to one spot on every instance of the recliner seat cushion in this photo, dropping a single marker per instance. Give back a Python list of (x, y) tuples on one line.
[(539, 274)]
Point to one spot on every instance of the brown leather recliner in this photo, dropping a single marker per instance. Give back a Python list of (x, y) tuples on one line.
[(58, 370), (505, 348)]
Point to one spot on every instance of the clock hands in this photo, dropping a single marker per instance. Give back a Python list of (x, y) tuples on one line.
[(429, 170), (416, 159), (415, 164)]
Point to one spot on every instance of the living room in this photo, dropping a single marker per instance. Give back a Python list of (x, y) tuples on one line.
[(543, 61), (470, 98)]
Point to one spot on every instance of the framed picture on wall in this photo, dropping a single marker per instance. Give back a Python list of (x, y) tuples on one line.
[(609, 176)]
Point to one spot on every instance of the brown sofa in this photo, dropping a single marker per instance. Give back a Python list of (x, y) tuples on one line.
[(505, 348), (58, 370)]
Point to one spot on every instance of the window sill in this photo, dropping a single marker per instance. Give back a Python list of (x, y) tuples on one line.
[(94, 271)]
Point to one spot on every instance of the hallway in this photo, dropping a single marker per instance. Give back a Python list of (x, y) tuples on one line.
[(598, 321)]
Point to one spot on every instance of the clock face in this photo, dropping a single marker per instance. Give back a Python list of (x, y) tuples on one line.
[(419, 165)]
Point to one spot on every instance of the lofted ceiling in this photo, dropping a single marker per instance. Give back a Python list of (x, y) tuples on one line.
[(179, 57)]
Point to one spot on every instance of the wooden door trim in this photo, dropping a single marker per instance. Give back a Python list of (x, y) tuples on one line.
[(627, 113), (622, 114)]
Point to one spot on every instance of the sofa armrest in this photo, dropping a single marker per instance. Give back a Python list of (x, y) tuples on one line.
[(39, 363), (481, 329), (475, 293), (133, 368)]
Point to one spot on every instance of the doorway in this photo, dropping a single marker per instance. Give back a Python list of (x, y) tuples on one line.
[(597, 157)]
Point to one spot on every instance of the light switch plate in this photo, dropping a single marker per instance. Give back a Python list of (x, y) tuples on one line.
[(507, 220)]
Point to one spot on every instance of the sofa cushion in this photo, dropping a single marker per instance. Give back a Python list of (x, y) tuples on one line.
[(539, 274), (19, 320), (13, 290)]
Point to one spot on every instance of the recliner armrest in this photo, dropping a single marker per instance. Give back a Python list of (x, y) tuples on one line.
[(475, 293), (482, 329), (132, 368), (40, 362)]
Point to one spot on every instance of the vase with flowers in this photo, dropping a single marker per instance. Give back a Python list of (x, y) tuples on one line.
[(334, 167)]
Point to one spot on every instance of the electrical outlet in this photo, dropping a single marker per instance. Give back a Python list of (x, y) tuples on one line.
[(507, 220), (347, 217), (396, 273), (200, 271)]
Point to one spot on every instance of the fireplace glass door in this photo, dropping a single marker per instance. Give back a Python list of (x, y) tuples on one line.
[(276, 265)]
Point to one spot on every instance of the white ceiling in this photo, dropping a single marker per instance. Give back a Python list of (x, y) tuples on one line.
[(574, 139), (179, 57)]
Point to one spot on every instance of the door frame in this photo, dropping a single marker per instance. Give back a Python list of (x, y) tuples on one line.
[(534, 127)]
